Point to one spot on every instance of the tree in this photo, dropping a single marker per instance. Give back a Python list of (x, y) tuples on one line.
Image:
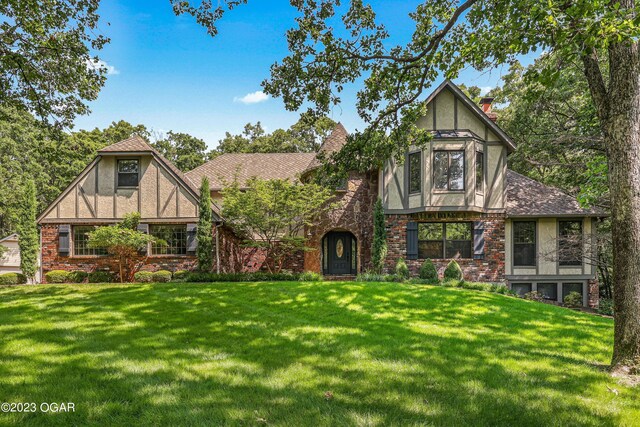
[(271, 215), (28, 232), (123, 241), (204, 251), (379, 251), (183, 150), (327, 54), (46, 63), (121, 130)]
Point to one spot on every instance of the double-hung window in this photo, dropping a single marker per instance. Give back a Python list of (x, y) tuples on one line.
[(448, 170), (570, 243), (128, 172), (81, 240), (524, 243), (444, 240), (173, 239)]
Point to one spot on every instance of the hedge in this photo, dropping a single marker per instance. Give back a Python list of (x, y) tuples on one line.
[(57, 276), (143, 277), (242, 277), (100, 277), (77, 276), (162, 276), (13, 279)]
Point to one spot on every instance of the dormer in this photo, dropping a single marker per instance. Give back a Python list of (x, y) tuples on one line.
[(464, 166)]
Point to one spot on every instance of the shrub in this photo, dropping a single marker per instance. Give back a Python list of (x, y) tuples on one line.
[(574, 299), (453, 271), (162, 276), (13, 279), (402, 271), (77, 276), (428, 271), (310, 276), (180, 276), (143, 277), (57, 276), (371, 276), (100, 277), (534, 296), (606, 307)]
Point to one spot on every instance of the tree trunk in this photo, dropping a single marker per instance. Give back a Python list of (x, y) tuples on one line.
[(622, 132)]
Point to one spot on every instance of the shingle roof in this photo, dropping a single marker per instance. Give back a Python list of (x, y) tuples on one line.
[(249, 165), (134, 143), (528, 197), (333, 143)]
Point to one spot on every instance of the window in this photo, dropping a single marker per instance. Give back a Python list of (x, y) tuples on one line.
[(128, 173), (548, 291), (521, 288), (415, 174), (448, 170), (444, 240), (570, 243), (524, 243), (174, 236), (479, 172), (81, 240), (567, 288)]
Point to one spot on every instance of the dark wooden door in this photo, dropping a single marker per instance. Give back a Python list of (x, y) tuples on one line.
[(339, 253)]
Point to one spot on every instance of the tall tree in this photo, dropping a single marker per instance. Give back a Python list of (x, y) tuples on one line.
[(379, 251), (204, 250), (327, 54), (28, 232), (183, 150), (45, 57)]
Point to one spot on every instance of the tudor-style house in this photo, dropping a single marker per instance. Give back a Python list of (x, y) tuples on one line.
[(453, 199)]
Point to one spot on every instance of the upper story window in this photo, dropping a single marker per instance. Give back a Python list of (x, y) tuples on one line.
[(444, 240), (479, 172), (81, 240), (570, 242), (173, 236), (448, 170), (415, 172), (524, 243), (128, 173)]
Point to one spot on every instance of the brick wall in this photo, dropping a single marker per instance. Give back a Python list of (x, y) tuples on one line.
[(489, 269)]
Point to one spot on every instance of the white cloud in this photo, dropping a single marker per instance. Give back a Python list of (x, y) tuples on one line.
[(97, 64), (485, 90), (252, 98)]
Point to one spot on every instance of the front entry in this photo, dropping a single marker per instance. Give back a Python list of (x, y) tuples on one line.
[(339, 253)]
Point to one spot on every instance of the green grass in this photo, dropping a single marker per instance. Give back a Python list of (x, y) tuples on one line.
[(256, 353)]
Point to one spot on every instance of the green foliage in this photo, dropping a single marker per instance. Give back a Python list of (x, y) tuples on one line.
[(402, 270), (379, 250), (57, 276), (3, 250), (311, 276), (28, 239), (162, 276), (573, 299), (478, 286), (534, 296), (180, 276), (100, 277), (122, 241), (77, 276), (371, 276), (428, 271), (606, 306), (186, 152), (204, 250), (13, 279), (453, 271), (272, 214), (198, 277), (143, 276)]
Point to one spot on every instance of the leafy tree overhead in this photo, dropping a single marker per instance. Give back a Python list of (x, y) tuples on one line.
[(183, 150), (45, 57), (328, 52)]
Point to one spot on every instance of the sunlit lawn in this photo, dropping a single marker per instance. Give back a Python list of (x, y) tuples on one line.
[(266, 353)]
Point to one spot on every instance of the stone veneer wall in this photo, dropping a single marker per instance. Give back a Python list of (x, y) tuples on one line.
[(489, 269), (354, 213), (594, 293)]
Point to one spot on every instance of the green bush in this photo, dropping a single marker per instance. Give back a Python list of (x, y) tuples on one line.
[(453, 271), (197, 277), (310, 276), (143, 276), (100, 277), (162, 276), (180, 276), (606, 307), (573, 299), (534, 296), (13, 279), (57, 276), (402, 270), (428, 271), (77, 276)]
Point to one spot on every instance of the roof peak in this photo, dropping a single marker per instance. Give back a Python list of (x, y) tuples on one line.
[(133, 143)]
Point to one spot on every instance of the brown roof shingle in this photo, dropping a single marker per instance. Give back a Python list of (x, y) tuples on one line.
[(333, 143), (528, 197), (134, 143)]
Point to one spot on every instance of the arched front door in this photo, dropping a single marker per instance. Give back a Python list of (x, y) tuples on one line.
[(339, 253)]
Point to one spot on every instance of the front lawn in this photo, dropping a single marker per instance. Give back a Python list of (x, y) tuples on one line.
[(304, 354)]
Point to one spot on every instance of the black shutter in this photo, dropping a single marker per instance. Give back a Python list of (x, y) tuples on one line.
[(64, 232), (478, 240), (143, 228), (192, 239), (412, 240)]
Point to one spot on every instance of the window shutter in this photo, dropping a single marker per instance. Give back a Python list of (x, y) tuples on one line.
[(64, 232), (192, 240), (478, 240), (412, 240), (143, 228)]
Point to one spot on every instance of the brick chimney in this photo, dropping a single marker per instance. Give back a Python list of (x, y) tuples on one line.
[(485, 105)]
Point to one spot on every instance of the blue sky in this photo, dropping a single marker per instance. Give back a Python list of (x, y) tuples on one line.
[(169, 74)]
